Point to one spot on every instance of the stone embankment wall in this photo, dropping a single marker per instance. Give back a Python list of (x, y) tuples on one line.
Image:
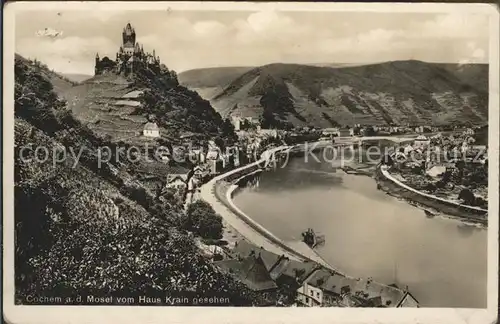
[(449, 207), (244, 224)]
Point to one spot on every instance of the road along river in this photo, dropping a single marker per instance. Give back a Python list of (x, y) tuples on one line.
[(371, 234)]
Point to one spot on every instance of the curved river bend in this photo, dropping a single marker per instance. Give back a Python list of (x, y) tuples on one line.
[(371, 234)]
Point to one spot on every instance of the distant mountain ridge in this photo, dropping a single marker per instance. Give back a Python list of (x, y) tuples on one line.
[(76, 77), (397, 92)]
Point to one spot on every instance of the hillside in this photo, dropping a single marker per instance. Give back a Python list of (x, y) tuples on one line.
[(212, 77), (88, 227), (118, 107), (209, 82), (76, 77), (387, 93), (60, 82)]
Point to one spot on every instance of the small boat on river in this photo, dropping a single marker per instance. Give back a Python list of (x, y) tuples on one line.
[(312, 239)]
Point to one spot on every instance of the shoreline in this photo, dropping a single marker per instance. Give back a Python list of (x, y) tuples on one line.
[(431, 205), (218, 193)]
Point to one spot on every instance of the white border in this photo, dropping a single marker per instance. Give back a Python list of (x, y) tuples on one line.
[(219, 315)]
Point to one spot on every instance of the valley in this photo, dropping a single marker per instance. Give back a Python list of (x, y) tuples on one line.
[(392, 93)]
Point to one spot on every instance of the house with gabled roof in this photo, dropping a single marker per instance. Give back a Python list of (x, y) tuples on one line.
[(243, 249), (292, 273), (151, 130), (310, 293), (344, 291), (251, 271)]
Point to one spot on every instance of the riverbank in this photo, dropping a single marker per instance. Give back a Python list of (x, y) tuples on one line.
[(431, 205), (218, 193)]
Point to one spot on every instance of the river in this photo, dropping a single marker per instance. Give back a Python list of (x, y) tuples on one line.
[(371, 234)]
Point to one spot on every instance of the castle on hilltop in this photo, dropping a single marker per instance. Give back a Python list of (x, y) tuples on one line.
[(129, 58)]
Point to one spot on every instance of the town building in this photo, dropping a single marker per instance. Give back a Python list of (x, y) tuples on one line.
[(151, 130), (436, 170), (315, 285), (176, 182), (251, 271), (344, 132), (310, 293), (421, 142), (236, 121), (177, 177), (469, 132), (216, 166)]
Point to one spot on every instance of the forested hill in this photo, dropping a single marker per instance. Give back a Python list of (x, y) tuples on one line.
[(88, 229), (398, 92)]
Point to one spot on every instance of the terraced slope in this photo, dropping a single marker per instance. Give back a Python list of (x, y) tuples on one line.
[(398, 92)]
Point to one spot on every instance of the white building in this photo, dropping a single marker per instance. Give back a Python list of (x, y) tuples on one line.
[(310, 293), (469, 131), (177, 181), (421, 141), (151, 130), (408, 149), (436, 171), (236, 121)]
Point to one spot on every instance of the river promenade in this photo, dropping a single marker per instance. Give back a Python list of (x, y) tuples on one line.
[(218, 193)]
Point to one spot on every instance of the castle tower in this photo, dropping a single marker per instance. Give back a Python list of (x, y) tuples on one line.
[(128, 36), (97, 65)]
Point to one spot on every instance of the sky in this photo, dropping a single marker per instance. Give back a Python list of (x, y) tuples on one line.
[(67, 41)]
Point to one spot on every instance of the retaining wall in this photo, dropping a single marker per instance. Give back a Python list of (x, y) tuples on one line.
[(235, 176)]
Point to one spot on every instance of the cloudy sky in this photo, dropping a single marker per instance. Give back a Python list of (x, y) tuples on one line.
[(68, 40)]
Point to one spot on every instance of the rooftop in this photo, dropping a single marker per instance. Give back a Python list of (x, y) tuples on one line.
[(151, 126), (244, 249), (293, 269), (319, 277), (251, 271)]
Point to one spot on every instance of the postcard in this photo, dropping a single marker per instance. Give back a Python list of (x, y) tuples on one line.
[(241, 162)]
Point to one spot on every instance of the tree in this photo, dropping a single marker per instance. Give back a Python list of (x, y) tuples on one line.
[(228, 129), (370, 131), (202, 220), (467, 197), (430, 187), (219, 141)]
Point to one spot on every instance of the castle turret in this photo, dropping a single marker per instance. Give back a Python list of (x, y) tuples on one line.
[(128, 39)]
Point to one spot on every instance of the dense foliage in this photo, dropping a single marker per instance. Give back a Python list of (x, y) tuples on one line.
[(89, 229), (175, 106), (202, 220)]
